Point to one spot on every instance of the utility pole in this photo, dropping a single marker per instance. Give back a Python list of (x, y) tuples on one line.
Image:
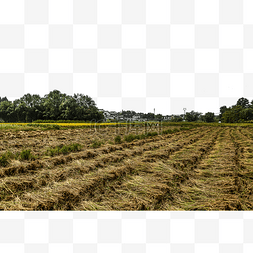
[(184, 113)]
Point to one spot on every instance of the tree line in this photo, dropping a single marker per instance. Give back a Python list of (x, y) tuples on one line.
[(60, 106), (241, 112), (53, 106), (195, 116)]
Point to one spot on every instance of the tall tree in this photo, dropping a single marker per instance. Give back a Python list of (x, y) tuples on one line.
[(222, 110), (192, 116), (7, 111), (3, 99), (243, 102), (209, 117), (52, 102)]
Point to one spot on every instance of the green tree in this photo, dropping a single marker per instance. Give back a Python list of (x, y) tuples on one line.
[(192, 116), (22, 111), (176, 118), (233, 114), (243, 102), (3, 99), (68, 109), (53, 106), (227, 116), (209, 117), (52, 102), (159, 117), (222, 110), (7, 111), (150, 116), (247, 114), (37, 107)]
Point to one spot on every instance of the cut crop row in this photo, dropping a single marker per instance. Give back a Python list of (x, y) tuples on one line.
[(151, 186), (55, 185), (217, 185), (32, 167), (42, 177)]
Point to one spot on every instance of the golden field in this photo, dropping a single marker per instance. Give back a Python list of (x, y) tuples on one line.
[(203, 167)]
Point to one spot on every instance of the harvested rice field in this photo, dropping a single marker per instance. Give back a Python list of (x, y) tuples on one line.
[(199, 167)]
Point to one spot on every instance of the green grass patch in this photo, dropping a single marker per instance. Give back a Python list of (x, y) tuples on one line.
[(171, 131), (96, 144), (4, 160), (26, 155), (45, 126), (117, 139), (150, 134), (7, 156), (63, 149), (130, 137)]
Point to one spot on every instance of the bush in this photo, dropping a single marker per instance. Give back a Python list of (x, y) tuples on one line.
[(117, 139)]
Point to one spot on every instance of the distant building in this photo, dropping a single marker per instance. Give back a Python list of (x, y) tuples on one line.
[(136, 117)]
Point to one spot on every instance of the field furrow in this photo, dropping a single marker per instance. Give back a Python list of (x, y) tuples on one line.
[(152, 186), (217, 185), (99, 164), (195, 167), (23, 167), (40, 141)]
